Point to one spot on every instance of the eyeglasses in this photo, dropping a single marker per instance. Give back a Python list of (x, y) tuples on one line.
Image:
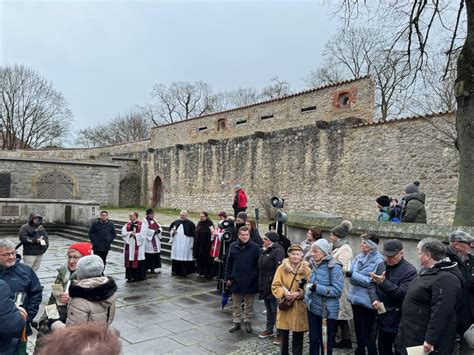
[(73, 257), (6, 255)]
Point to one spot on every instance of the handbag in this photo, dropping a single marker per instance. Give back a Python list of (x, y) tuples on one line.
[(283, 303)]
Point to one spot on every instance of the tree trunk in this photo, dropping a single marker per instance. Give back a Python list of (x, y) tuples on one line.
[(464, 89)]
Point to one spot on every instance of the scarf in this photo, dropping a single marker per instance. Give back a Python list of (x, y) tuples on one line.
[(132, 227), (339, 243)]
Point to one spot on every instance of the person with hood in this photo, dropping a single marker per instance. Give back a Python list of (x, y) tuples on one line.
[(429, 307), (270, 259), (134, 249), (92, 295), (287, 287), (323, 290), (388, 286), (21, 279), (12, 321), (35, 241), (240, 200), (241, 275), (342, 252), (383, 204), (102, 234), (459, 251), (312, 235), (66, 274), (254, 234), (182, 241), (151, 231), (282, 239), (202, 246), (364, 263), (414, 204)]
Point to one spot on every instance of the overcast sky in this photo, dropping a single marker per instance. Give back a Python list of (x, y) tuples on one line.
[(105, 56)]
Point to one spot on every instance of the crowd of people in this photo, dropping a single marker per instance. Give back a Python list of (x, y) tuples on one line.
[(317, 286)]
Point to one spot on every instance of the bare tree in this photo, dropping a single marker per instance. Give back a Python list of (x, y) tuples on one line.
[(277, 88), (418, 24), (128, 127), (236, 98), (33, 113)]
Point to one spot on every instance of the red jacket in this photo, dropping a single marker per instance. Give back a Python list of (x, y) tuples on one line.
[(240, 199)]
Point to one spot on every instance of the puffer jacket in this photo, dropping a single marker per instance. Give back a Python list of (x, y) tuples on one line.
[(92, 300), (329, 282), (415, 208), (344, 255), (11, 322), (29, 236), (384, 215), (362, 266)]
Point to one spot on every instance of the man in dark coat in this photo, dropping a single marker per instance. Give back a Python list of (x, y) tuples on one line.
[(202, 246), (241, 275), (12, 320), (414, 204), (102, 234), (459, 251), (21, 278), (429, 307), (388, 286), (271, 258), (35, 242)]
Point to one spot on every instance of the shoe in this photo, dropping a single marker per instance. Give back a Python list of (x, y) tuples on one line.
[(264, 311), (265, 334), (343, 344), (201, 276), (277, 340), (248, 327), (234, 328)]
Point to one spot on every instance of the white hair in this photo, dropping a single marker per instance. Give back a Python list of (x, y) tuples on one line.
[(7, 244)]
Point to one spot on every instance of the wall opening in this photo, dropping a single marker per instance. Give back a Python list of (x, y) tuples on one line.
[(56, 185), (221, 125), (157, 192)]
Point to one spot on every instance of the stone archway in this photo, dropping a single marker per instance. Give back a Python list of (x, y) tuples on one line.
[(157, 192), (55, 185)]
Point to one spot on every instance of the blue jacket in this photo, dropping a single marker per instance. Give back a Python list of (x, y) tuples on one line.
[(21, 278), (242, 267), (329, 282), (361, 267), (11, 322)]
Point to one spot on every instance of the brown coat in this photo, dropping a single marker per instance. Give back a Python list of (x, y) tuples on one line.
[(344, 255), (295, 318)]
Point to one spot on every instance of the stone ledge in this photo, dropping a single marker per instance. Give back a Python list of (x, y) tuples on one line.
[(62, 162)]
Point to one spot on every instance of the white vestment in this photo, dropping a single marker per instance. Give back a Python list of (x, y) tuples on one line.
[(130, 243), (182, 246), (151, 236)]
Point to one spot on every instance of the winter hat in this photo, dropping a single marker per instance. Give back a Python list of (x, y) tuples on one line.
[(242, 216), (89, 266), (222, 214), (412, 188), (371, 240), (323, 245), (272, 236), (460, 236), (295, 247), (342, 230), (237, 186), (84, 248), (383, 201)]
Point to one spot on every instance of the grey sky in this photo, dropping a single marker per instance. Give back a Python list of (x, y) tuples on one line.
[(105, 56)]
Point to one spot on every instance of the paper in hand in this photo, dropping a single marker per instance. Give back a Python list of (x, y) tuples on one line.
[(42, 242), (381, 308), (52, 311), (57, 290), (416, 350)]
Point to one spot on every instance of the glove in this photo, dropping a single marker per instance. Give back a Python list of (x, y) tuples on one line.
[(313, 288), (51, 321), (348, 273)]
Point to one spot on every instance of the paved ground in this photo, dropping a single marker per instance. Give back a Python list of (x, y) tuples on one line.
[(168, 315)]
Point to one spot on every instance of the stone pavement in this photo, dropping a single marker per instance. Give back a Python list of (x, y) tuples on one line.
[(167, 315)]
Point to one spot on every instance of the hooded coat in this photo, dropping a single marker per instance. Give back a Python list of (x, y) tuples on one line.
[(30, 237), (11, 322), (294, 318), (415, 208), (270, 260), (429, 309)]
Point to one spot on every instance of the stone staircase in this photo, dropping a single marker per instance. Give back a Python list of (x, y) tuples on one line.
[(80, 234)]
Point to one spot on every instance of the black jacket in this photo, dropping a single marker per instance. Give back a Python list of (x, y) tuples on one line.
[(429, 309), (242, 267), (102, 235), (391, 292), (269, 261), (466, 308), (11, 322), (30, 237)]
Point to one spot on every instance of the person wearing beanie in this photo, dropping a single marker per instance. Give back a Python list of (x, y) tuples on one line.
[(342, 252), (287, 286), (383, 204), (271, 257), (459, 251), (240, 200), (92, 295), (413, 204), (364, 263), (66, 275), (322, 293)]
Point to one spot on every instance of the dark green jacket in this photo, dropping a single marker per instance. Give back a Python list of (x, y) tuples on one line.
[(415, 208)]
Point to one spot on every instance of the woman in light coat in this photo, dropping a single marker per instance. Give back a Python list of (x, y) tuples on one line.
[(342, 252), (283, 286)]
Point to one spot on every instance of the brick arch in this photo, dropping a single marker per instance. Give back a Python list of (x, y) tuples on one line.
[(56, 184)]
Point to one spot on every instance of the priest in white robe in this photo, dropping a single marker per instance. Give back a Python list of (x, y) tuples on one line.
[(182, 241), (134, 249)]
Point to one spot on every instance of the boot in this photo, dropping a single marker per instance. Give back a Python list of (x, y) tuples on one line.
[(248, 327), (234, 328), (343, 344)]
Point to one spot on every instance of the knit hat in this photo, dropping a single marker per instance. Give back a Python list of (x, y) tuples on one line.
[(342, 230), (383, 201), (460, 236), (412, 188), (89, 266), (323, 245), (84, 248), (295, 247), (237, 186), (222, 214), (242, 216), (272, 236)]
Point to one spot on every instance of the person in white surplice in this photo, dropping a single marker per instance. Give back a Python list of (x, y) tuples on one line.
[(182, 240), (134, 249)]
